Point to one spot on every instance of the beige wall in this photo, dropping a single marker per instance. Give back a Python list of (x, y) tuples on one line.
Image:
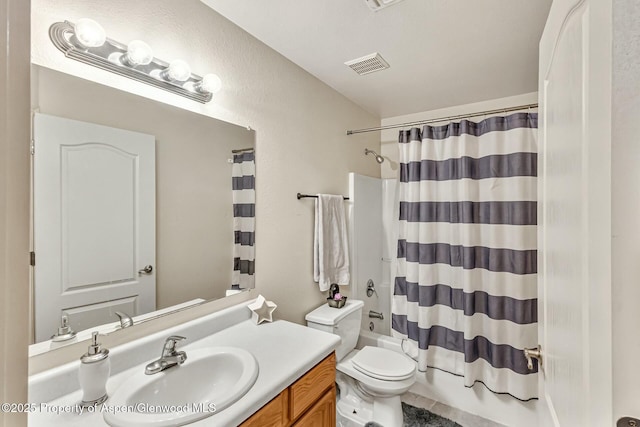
[(194, 222), (300, 122), (14, 205), (625, 208)]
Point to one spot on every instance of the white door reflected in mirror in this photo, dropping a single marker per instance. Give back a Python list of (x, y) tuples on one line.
[(196, 235), (94, 223)]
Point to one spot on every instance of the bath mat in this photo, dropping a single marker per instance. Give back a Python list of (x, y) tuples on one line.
[(419, 417)]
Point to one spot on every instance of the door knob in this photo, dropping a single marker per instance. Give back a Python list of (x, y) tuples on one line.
[(533, 353), (146, 270)]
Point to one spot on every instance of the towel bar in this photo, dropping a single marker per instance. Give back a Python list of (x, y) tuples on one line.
[(302, 196)]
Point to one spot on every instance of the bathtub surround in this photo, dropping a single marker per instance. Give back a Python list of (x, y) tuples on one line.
[(367, 239), (243, 179), (466, 293)]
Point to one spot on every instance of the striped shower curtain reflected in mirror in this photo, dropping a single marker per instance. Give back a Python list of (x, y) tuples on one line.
[(465, 292), (244, 203)]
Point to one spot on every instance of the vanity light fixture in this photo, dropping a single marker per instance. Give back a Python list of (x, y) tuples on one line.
[(177, 71), (86, 41), (210, 83), (138, 53), (88, 33)]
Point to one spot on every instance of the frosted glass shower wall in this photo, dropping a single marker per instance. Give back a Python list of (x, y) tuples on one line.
[(373, 228)]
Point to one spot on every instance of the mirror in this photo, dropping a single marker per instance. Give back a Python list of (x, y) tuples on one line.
[(90, 232)]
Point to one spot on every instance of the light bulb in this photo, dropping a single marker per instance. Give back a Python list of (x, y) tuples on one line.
[(178, 70), (138, 53), (89, 33), (210, 83)]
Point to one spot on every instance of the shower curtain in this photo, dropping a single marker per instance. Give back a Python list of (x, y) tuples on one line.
[(244, 202), (465, 292)]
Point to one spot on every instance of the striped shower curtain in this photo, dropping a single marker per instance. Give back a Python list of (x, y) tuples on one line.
[(244, 203), (465, 292)]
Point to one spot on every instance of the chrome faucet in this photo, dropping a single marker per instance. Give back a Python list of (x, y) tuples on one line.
[(170, 357), (375, 315)]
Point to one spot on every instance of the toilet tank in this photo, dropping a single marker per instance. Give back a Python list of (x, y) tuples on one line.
[(344, 322)]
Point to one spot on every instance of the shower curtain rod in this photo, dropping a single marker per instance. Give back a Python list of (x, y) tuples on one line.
[(442, 119)]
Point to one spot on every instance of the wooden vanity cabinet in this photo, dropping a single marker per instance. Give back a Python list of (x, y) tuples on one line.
[(309, 402), (322, 413)]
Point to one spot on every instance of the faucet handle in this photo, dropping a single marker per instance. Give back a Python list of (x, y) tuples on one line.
[(170, 343), (125, 320)]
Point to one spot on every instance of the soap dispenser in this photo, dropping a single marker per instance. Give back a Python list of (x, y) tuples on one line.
[(94, 372), (65, 334)]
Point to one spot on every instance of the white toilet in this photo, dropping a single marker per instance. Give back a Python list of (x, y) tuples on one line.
[(371, 380)]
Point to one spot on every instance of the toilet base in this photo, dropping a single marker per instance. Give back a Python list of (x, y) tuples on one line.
[(353, 413), (355, 409)]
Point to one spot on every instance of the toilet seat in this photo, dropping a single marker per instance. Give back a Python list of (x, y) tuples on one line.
[(383, 364)]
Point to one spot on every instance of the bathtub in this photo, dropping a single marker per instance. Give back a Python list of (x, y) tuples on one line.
[(378, 340)]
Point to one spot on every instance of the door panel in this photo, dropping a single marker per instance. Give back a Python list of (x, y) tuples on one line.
[(574, 232), (98, 205), (94, 223), (565, 240)]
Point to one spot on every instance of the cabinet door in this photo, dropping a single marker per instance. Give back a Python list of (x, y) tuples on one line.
[(312, 385), (322, 413), (273, 414)]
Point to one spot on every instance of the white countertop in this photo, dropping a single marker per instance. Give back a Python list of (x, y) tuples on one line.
[(284, 351)]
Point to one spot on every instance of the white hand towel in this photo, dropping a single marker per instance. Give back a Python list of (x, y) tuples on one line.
[(330, 246)]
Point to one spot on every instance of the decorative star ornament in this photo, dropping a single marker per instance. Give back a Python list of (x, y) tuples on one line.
[(262, 310)]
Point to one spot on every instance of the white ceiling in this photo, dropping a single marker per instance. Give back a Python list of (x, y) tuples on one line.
[(442, 52)]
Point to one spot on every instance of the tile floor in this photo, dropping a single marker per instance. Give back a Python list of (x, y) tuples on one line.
[(463, 418)]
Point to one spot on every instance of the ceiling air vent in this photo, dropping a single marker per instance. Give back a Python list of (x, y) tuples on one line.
[(376, 5), (368, 64)]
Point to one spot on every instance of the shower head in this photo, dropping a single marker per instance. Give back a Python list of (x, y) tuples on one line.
[(379, 158)]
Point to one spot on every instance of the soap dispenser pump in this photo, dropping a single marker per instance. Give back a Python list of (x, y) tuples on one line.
[(94, 373), (65, 333)]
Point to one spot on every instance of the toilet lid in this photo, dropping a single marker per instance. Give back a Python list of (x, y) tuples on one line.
[(383, 364)]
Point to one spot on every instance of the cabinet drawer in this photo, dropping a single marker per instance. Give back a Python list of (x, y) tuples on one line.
[(309, 388), (273, 414)]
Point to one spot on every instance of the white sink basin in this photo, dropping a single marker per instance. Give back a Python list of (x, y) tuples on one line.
[(209, 380)]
